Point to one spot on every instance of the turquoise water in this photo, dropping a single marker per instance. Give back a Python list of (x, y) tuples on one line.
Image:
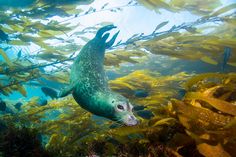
[(171, 68)]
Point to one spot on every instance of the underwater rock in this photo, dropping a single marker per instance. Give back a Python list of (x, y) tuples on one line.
[(21, 142)]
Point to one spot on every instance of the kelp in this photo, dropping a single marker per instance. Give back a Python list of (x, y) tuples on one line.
[(199, 7), (178, 127), (152, 82), (218, 104), (206, 125), (189, 84), (156, 5), (33, 26), (117, 57), (6, 58), (202, 122), (27, 29), (182, 45), (21, 141)]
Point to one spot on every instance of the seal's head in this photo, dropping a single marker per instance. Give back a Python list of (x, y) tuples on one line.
[(115, 107), (122, 110)]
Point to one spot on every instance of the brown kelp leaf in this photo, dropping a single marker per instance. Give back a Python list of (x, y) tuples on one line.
[(156, 5), (124, 131), (212, 151), (19, 42), (193, 81), (6, 58), (224, 9), (206, 149), (161, 25), (50, 56), (199, 7), (53, 140), (185, 121), (179, 140), (17, 87), (210, 91), (165, 121), (199, 118), (117, 57), (209, 60), (62, 78), (221, 105), (6, 91), (231, 124), (232, 64), (22, 90)]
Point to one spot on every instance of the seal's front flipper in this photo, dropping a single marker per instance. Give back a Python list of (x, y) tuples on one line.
[(66, 91)]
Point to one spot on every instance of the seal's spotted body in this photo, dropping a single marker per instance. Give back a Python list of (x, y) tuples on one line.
[(89, 85)]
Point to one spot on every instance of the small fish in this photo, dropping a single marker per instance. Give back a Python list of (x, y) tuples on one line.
[(42, 102), (3, 105), (3, 36), (49, 92), (138, 107), (141, 93), (181, 93), (19, 54), (18, 105), (226, 56), (145, 114), (7, 48)]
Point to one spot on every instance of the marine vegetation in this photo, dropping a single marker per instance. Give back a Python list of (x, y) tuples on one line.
[(202, 122), (21, 141), (180, 79)]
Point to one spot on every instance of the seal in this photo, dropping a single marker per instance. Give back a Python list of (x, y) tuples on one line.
[(89, 84)]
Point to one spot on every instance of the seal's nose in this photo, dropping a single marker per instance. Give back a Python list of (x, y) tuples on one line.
[(132, 120), (136, 121)]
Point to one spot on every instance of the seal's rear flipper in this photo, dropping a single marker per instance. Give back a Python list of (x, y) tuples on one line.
[(66, 91), (111, 42), (104, 29)]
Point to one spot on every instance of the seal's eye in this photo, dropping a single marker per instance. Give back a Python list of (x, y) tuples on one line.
[(120, 107)]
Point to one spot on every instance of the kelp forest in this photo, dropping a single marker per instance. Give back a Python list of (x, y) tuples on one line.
[(180, 79)]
